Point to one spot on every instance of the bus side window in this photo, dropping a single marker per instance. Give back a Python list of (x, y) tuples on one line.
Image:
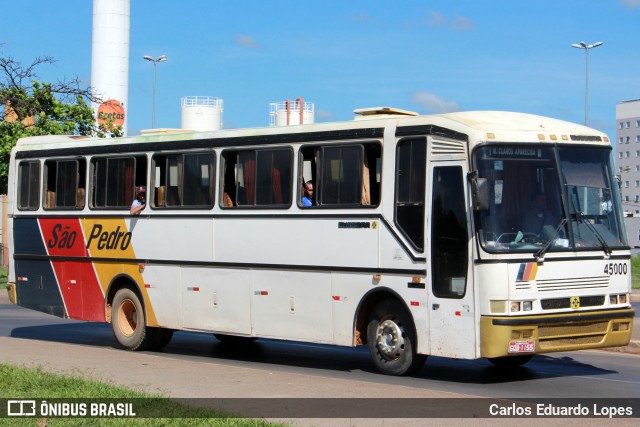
[(308, 171), (65, 183), (28, 185), (411, 167)]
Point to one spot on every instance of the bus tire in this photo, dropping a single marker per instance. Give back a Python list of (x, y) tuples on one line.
[(128, 321), (391, 339), (510, 362)]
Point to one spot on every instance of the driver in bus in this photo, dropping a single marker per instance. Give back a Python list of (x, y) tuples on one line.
[(140, 201), (538, 215)]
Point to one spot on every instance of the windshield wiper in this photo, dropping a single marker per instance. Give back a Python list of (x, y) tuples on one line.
[(540, 253), (580, 217)]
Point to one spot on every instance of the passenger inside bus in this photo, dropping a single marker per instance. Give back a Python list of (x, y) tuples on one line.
[(307, 198), (140, 201)]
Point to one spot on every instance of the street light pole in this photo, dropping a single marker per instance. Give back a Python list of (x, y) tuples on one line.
[(586, 48), (161, 58)]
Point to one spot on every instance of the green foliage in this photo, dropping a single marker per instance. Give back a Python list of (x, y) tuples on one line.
[(635, 272), (37, 108)]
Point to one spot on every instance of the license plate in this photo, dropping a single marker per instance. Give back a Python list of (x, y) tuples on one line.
[(522, 346)]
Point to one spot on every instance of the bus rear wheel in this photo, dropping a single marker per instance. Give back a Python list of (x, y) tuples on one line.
[(391, 339), (128, 321)]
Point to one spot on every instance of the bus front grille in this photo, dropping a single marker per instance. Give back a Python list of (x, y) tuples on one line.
[(555, 336), (558, 303)]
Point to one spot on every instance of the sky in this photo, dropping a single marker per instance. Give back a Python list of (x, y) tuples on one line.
[(428, 56)]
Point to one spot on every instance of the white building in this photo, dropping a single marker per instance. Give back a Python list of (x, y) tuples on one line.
[(628, 164)]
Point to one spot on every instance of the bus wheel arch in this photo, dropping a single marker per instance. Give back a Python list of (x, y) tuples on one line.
[(126, 311), (385, 324)]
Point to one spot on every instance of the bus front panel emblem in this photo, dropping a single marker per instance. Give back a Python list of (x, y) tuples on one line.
[(575, 302)]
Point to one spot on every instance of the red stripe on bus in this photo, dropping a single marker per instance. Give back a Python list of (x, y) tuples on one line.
[(83, 298)]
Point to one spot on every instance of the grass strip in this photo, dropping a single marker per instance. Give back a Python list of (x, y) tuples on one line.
[(35, 383)]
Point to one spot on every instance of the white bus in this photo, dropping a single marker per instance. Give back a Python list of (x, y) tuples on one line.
[(423, 237)]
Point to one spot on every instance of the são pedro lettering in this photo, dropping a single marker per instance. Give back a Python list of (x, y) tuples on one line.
[(117, 239)]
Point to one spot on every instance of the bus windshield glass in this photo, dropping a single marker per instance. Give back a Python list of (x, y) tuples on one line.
[(546, 199)]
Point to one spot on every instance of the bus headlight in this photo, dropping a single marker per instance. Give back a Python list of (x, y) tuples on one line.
[(498, 306), (613, 299), (516, 306), (622, 299)]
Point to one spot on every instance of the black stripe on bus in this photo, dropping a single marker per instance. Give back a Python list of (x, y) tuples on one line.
[(239, 141), (546, 260), (214, 264), (429, 130), (578, 317)]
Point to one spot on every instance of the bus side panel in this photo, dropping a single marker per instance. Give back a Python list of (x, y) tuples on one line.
[(36, 284), (78, 282)]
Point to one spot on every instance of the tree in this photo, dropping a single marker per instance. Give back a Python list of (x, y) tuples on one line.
[(29, 107)]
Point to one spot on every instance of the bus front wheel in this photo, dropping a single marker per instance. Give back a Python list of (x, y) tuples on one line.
[(128, 321), (391, 339)]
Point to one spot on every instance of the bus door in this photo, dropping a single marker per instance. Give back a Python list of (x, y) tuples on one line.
[(451, 299)]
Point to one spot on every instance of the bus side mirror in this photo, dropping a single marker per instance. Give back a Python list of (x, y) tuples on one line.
[(480, 193)]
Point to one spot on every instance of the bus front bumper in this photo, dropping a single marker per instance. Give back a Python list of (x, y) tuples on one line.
[(521, 335)]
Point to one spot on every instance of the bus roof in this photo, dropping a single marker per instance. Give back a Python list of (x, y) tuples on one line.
[(480, 126)]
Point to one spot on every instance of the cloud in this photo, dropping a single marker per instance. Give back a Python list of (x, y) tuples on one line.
[(246, 41), (632, 4), (434, 104), (458, 23), (324, 116)]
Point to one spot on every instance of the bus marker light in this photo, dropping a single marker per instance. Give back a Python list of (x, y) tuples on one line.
[(23, 279), (194, 289), (377, 277), (498, 306), (416, 279), (141, 268), (147, 285), (261, 293), (491, 135), (554, 138), (458, 313), (415, 303)]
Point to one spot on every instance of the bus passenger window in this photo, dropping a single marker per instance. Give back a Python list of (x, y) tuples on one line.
[(257, 178), (65, 181), (183, 180), (28, 186), (114, 181)]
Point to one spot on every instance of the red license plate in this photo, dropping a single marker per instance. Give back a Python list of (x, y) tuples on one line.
[(522, 346)]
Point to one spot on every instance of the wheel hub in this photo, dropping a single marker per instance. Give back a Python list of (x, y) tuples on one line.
[(389, 339), (127, 318)]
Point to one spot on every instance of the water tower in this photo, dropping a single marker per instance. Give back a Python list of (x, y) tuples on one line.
[(110, 60), (201, 113), (287, 113)]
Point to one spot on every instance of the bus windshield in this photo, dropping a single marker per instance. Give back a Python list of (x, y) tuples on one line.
[(549, 199)]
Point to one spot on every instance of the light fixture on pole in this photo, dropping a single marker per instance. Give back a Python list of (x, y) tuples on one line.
[(586, 48), (161, 58)]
